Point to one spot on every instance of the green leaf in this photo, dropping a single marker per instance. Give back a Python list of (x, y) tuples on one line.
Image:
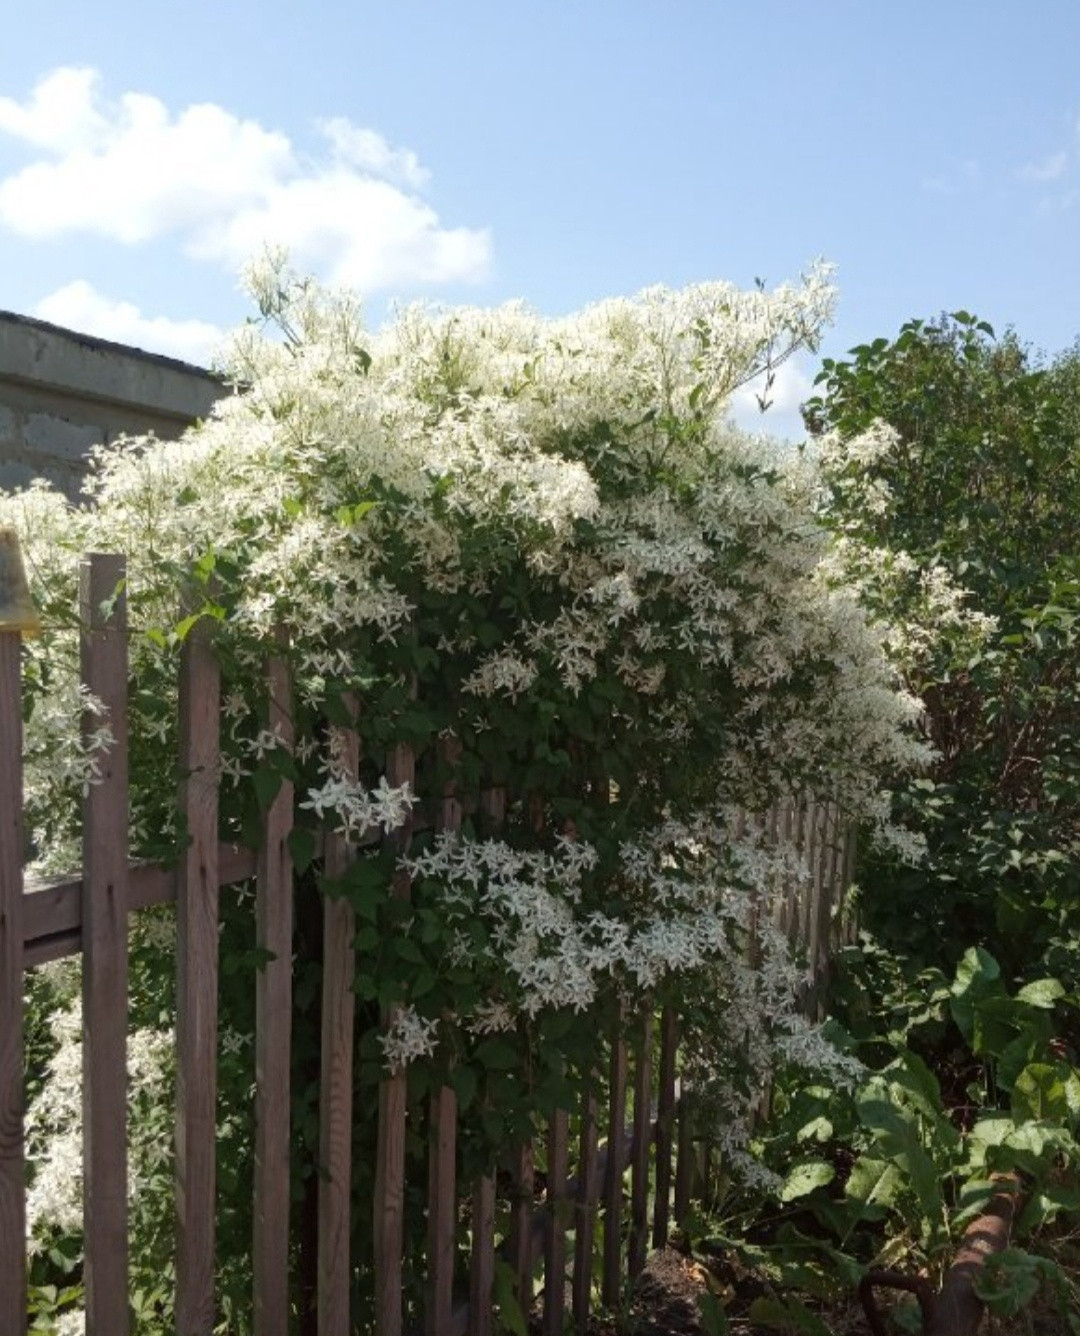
[(713, 1315), (803, 1178), (1046, 1092), (874, 1182), (1042, 993), (1008, 1281), (465, 1082), (509, 1309), (301, 844), (497, 1055), (978, 977), (266, 783)]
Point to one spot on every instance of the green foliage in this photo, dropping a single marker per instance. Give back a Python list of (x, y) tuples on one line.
[(977, 488), (892, 1177)]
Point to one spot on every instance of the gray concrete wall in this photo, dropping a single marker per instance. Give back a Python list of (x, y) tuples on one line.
[(62, 392)]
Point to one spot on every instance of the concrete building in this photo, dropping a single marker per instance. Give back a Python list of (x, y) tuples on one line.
[(62, 392)]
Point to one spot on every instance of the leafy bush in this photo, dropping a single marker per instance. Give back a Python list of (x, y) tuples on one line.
[(957, 516)]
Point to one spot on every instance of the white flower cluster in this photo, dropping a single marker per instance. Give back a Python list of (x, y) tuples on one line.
[(359, 810), (554, 514), (407, 1037), (54, 1122)]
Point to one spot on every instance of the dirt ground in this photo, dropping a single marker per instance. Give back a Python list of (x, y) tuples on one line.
[(668, 1293)]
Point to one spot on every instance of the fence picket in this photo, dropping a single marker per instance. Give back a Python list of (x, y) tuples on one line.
[(639, 1150), (555, 1239), (616, 1163), (197, 986), (685, 1164), (390, 1163), (482, 1261), (442, 1143), (273, 1025), (482, 1268), (12, 1154), (665, 1127), (336, 1067), (103, 653), (521, 1216), (585, 1210)]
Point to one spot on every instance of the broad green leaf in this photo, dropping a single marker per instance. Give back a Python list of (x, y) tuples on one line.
[(1042, 993), (977, 976), (804, 1178), (874, 1182), (1042, 1093)]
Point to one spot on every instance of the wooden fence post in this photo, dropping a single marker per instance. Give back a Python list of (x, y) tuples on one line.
[(390, 1153), (613, 1176), (555, 1242), (197, 986), (639, 1150), (665, 1127), (585, 1208), (336, 1067), (482, 1261), (12, 1154), (442, 1114), (273, 1030), (103, 646)]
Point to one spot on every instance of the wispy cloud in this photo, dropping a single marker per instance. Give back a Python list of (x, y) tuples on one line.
[(954, 180), (80, 306), (1051, 168), (131, 170)]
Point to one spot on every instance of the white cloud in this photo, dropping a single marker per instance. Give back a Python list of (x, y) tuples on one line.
[(369, 151), (1050, 168), (80, 306), (58, 115), (131, 170), (791, 387)]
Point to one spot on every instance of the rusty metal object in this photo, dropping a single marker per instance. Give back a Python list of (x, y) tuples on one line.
[(956, 1309), (894, 1280)]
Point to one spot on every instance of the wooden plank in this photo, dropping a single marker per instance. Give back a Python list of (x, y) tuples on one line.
[(812, 852), (521, 1219), (273, 1033), (442, 1143), (482, 1268), (665, 1127), (12, 1156), (336, 1068), (639, 1150), (52, 910), (482, 1261), (847, 921), (442, 1209), (684, 1159), (615, 1168), (585, 1213), (103, 653), (555, 1237), (197, 987), (389, 1203)]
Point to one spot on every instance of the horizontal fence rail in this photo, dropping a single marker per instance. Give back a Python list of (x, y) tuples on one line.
[(619, 1170)]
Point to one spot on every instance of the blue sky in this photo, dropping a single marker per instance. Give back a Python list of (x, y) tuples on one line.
[(559, 152)]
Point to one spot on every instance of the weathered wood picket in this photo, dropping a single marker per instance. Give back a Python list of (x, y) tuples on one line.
[(88, 913)]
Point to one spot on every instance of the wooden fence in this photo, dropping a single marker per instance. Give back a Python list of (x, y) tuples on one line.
[(629, 1172)]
